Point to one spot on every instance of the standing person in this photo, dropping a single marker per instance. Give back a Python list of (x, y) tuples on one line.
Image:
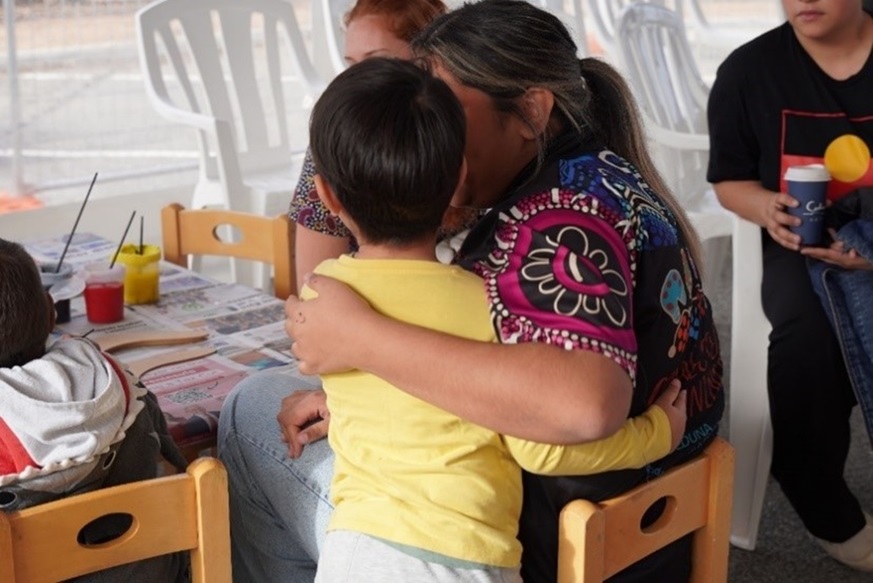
[(374, 28), (397, 513), (793, 96)]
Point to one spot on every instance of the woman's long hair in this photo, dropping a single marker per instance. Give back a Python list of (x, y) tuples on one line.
[(505, 47)]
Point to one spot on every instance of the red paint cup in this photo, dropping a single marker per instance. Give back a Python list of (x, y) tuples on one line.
[(104, 292)]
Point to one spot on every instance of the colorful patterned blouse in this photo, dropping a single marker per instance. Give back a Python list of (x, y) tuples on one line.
[(306, 208), (584, 255)]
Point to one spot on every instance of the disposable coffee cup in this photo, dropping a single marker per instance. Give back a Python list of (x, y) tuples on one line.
[(809, 185), (51, 276), (104, 292)]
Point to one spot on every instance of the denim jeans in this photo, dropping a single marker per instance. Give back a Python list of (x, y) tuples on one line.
[(846, 295), (279, 507)]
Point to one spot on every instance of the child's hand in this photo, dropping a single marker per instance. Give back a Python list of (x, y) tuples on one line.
[(673, 402)]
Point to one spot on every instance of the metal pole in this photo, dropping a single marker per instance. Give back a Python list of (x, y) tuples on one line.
[(14, 97)]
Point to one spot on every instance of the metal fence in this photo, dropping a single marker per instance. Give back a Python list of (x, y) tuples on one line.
[(75, 102)]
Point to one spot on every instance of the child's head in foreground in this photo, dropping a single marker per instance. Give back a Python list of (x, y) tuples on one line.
[(387, 139), (25, 312)]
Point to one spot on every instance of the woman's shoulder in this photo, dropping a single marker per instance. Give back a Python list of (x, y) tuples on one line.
[(606, 176)]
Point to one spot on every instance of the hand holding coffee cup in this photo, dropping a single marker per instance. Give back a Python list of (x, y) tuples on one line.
[(809, 186)]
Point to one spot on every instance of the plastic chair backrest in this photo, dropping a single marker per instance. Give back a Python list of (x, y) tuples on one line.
[(574, 20), (329, 35), (597, 541), (657, 60), (269, 240), (221, 66), (174, 513), (605, 15)]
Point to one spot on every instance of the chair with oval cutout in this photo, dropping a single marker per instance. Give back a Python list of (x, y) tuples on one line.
[(269, 240), (182, 512), (597, 541)]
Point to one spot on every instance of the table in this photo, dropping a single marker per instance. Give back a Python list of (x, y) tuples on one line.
[(244, 325)]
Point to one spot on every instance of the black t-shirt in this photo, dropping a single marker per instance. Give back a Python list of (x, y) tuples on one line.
[(772, 107)]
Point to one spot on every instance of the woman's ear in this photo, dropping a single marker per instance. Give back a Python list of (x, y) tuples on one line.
[(536, 105), (458, 197), (327, 195)]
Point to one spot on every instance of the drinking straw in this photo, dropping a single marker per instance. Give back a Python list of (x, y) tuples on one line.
[(141, 220), (76, 224), (123, 237)]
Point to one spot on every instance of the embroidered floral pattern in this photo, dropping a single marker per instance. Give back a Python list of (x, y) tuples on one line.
[(564, 263)]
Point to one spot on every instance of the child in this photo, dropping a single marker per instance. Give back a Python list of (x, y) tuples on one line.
[(73, 420), (421, 494)]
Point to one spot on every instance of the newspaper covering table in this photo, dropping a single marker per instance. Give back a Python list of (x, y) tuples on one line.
[(245, 326)]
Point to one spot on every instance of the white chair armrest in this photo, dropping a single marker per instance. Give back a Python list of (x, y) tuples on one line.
[(677, 140), (172, 113)]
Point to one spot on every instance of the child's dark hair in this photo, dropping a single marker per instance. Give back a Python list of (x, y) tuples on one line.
[(389, 140), (24, 317)]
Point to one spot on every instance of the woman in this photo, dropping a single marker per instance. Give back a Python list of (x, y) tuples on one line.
[(374, 28), (590, 270), (816, 72)]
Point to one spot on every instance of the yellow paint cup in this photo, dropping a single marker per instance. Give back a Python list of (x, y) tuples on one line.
[(143, 271)]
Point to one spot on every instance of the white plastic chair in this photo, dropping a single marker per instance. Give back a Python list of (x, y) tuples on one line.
[(574, 20), (749, 424), (223, 68), (605, 15), (717, 39), (673, 99), (328, 35)]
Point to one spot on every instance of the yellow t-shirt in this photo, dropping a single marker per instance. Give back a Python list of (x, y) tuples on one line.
[(413, 474)]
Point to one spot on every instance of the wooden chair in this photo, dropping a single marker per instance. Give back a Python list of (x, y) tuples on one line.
[(265, 239), (597, 541), (175, 513)]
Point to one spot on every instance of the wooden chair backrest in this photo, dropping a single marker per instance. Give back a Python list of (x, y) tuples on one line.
[(597, 541), (266, 239), (183, 512)]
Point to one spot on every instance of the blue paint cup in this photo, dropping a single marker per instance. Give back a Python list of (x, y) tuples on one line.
[(809, 185)]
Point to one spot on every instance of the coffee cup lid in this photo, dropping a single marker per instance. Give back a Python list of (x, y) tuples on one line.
[(808, 173)]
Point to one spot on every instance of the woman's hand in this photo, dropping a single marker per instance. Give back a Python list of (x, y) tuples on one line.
[(777, 220), (328, 330), (750, 200), (303, 418), (838, 254)]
